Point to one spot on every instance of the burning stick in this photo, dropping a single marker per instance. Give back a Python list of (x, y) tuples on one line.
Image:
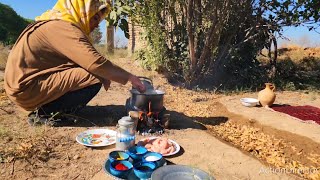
[(149, 112)]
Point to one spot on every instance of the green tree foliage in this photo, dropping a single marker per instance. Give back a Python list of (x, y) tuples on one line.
[(293, 12), (11, 24), (196, 40), (96, 35), (216, 41), (119, 14)]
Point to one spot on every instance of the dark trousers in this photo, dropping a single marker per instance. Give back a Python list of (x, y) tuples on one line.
[(71, 101)]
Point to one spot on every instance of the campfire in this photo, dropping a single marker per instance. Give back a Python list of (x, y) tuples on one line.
[(148, 121), (148, 110)]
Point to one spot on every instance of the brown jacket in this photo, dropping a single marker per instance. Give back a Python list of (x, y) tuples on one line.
[(51, 58)]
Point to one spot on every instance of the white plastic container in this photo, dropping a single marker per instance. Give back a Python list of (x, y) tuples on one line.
[(249, 102), (125, 137)]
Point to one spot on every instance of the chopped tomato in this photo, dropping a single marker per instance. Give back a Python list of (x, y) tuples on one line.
[(96, 135)]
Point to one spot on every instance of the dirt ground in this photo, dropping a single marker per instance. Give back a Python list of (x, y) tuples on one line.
[(215, 132)]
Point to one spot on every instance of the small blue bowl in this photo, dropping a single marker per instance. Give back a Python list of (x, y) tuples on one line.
[(154, 157), (120, 173), (118, 156), (143, 170), (136, 152)]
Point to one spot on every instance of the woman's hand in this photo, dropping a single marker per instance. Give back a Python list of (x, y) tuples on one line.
[(136, 83)]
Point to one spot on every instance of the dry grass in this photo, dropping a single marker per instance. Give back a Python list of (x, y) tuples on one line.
[(118, 52), (4, 132), (297, 67), (20, 142), (298, 53), (295, 53), (269, 149), (4, 52)]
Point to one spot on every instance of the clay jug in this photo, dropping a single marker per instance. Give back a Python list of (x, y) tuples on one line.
[(267, 95)]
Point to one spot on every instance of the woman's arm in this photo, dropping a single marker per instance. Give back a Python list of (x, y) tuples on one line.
[(68, 40)]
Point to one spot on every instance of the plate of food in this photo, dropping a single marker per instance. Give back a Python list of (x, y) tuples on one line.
[(97, 137), (162, 145)]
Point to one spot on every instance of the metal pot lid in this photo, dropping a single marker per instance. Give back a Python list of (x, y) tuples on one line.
[(126, 121), (148, 92)]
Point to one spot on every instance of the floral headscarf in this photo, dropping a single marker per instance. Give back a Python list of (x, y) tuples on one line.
[(77, 12)]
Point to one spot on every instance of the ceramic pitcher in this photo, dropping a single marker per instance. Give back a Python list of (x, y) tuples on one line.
[(267, 95)]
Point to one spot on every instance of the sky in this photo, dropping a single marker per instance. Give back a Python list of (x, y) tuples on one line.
[(32, 8)]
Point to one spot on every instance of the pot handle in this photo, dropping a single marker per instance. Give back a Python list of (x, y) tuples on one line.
[(273, 87), (146, 79)]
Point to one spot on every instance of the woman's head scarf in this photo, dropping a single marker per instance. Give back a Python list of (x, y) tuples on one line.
[(77, 12)]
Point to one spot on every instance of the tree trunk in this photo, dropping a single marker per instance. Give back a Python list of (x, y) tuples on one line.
[(110, 39), (110, 36), (190, 34)]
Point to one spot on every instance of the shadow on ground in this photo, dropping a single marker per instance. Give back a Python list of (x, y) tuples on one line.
[(100, 115), (181, 121), (109, 115)]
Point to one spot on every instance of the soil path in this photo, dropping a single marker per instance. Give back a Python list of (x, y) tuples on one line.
[(278, 120), (196, 120)]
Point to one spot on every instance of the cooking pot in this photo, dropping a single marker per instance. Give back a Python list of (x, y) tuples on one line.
[(141, 101)]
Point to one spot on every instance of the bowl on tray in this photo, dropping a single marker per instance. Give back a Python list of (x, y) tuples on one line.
[(118, 156), (136, 163), (121, 169), (155, 158), (144, 170), (136, 152)]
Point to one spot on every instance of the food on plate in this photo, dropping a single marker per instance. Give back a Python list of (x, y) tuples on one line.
[(160, 145), (96, 135)]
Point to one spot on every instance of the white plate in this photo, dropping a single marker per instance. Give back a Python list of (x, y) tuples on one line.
[(175, 145), (249, 102), (97, 137)]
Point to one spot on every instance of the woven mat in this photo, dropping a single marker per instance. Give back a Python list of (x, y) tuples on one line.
[(304, 113)]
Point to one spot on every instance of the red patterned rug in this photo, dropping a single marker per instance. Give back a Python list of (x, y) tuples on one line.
[(305, 113)]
